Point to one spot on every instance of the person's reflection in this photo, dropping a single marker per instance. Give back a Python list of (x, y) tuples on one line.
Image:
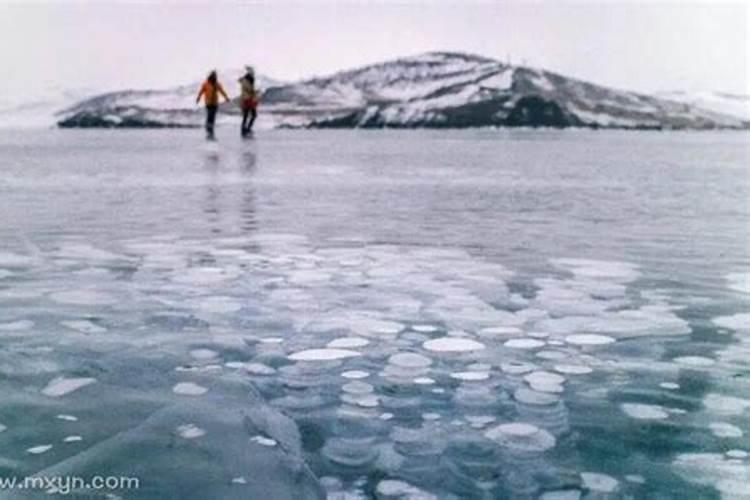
[(212, 166), (248, 222)]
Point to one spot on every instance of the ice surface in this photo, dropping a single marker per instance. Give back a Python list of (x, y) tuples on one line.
[(84, 298)]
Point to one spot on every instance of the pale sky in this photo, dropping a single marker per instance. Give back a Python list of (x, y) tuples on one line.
[(643, 46)]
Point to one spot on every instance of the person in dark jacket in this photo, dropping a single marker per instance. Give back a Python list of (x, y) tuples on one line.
[(248, 101)]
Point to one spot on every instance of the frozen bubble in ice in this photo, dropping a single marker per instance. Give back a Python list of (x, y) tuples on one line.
[(499, 331), (409, 360), (37, 450), (386, 416), (561, 495), (601, 483), (669, 386), (219, 305), (61, 385), (189, 389), (72, 439), (258, 369), (739, 282), (355, 374), (521, 436), (739, 322), (725, 405), (378, 327), (24, 324), (263, 440), (308, 276), (597, 269), (544, 378), (347, 342), (588, 339), (430, 416), (644, 411), (205, 275), (3, 427), (14, 260), (190, 431), (323, 354), (635, 478), (69, 418), (424, 328), (271, 340), (573, 369), (479, 421), (516, 367), (239, 480), (470, 376), (739, 454), (4, 273), (552, 355), (83, 326), (203, 354), (696, 361), (393, 489), (83, 298), (538, 335), (725, 430), (480, 367), (535, 398), (357, 387), (733, 488), (424, 381), (524, 343), (369, 401), (452, 344)]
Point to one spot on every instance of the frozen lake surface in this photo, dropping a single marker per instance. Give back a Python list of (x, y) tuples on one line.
[(475, 314)]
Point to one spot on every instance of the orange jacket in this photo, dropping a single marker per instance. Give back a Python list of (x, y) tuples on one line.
[(210, 93)]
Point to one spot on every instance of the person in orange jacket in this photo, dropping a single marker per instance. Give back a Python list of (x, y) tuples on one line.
[(210, 91)]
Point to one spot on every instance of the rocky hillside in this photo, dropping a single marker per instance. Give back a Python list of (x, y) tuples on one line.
[(439, 89)]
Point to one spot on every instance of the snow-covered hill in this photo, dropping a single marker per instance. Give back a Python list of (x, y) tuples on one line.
[(719, 102), (438, 89)]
